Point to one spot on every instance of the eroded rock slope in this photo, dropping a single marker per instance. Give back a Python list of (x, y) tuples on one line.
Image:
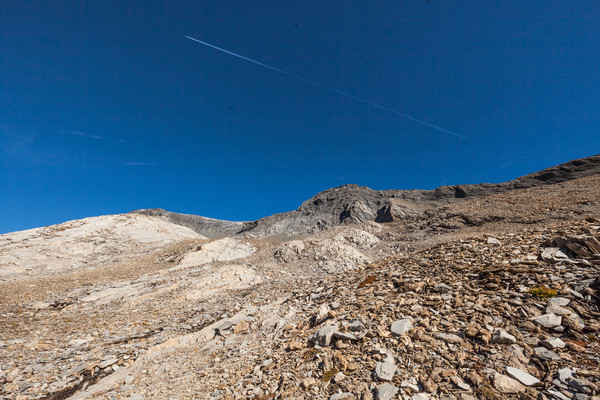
[(487, 297)]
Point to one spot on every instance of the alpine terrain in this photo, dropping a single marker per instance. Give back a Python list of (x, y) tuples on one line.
[(486, 291)]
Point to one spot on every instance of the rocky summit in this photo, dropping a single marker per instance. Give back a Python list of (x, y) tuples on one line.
[(487, 291)]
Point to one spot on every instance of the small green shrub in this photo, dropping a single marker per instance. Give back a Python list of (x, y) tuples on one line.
[(542, 292)]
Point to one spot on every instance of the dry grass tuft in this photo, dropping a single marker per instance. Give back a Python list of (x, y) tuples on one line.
[(542, 292)]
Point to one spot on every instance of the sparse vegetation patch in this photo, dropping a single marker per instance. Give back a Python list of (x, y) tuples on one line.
[(542, 292)]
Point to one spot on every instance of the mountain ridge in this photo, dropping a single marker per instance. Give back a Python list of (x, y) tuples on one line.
[(352, 203)]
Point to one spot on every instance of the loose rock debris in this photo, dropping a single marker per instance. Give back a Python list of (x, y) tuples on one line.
[(450, 316)]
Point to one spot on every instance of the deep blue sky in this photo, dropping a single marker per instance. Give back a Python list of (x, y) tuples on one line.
[(105, 107)]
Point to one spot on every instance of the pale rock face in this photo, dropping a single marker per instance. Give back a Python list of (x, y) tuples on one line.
[(290, 251), (448, 337), (357, 238), (335, 257), (333, 254), (120, 291), (81, 243), (226, 249), (226, 277)]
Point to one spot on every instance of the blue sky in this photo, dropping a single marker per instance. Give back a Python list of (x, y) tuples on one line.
[(106, 107)]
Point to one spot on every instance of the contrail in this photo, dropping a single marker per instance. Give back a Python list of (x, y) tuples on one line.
[(408, 117)]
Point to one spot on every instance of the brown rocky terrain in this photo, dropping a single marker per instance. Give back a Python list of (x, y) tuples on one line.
[(494, 294)]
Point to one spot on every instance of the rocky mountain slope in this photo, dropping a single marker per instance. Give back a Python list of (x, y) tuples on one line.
[(85, 243), (351, 204), (489, 296)]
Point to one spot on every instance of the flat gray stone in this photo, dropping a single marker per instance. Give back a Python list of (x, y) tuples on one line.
[(385, 391), (553, 343), (558, 395), (564, 374), (502, 337), (385, 371), (559, 301), (524, 377), (548, 320), (581, 385), (552, 308), (574, 293), (546, 354), (553, 254), (401, 327)]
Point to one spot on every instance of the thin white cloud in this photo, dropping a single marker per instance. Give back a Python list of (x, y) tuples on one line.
[(85, 135), (138, 164)]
